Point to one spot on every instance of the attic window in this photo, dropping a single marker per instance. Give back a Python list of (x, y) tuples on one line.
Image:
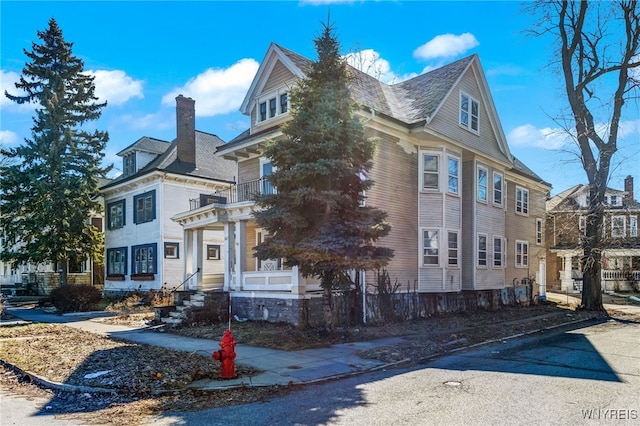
[(469, 113), (272, 105), (129, 164)]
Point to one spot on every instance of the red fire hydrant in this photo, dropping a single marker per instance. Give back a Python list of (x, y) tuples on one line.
[(226, 355)]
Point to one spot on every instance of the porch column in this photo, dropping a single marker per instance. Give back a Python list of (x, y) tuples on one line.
[(196, 281), (567, 280), (241, 248), (188, 254), (229, 255)]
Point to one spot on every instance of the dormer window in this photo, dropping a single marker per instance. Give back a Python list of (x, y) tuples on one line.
[(129, 166), (613, 200), (272, 105), (469, 113)]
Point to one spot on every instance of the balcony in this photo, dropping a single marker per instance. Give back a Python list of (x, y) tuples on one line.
[(238, 193)]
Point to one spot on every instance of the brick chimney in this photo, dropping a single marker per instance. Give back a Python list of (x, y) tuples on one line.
[(628, 187), (186, 129)]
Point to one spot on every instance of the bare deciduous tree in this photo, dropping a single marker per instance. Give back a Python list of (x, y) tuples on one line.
[(598, 53)]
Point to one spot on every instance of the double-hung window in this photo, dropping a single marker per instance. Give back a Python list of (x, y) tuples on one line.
[(129, 163), (143, 259), (633, 226), (144, 207), (522, 254), (430, 171), (453, 244), (454, 175), (284, 103), (498, 252), (116, 214), (482, 250), (618, 226), (498, 182), (263, 111), (117, 261), (538, 231), (469, 113), (430, 247), (522, 201), (482, 183)]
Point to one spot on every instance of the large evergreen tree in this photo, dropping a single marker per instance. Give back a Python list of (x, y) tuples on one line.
[(48, 191), (316, 219)]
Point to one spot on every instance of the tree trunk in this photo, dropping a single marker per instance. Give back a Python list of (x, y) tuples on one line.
[(62, 272), (591, 261), (327, 285)]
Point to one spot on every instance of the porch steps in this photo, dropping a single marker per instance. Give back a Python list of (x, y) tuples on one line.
[(188, 308)]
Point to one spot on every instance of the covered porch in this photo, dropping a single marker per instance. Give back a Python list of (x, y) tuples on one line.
[(620, 270), (229, 212)]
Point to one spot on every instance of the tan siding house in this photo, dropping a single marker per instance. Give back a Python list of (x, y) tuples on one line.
[(443, 172)]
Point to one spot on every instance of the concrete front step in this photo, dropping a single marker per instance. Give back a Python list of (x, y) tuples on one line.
[(171, 321)]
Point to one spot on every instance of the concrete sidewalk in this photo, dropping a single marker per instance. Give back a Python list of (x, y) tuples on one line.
[(278, 367)]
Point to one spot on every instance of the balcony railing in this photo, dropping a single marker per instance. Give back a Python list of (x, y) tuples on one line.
[(238, 193)]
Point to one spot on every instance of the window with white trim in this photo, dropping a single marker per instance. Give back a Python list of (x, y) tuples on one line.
[(633, 226), (430, 171), (498, 252), (618, 226), (498, 182), (522, 254), (430, 247), (454, 175), (272, 105), (483, 174), (538, 231), (482, 250), (452, 246), (213, 251), (582, 224), (522, 201), (469, 113)]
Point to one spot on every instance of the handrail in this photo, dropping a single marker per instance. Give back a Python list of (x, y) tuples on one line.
[(182, 283)]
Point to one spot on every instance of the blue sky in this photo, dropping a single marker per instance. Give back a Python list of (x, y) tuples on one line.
[(144, 54)]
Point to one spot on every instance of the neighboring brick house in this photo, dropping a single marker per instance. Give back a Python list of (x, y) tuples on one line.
[(144, 248), (566, 218), (467, 217)]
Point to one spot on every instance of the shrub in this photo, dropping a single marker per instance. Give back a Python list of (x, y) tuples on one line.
[(75, 298)]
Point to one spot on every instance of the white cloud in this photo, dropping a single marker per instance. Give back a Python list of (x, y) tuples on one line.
[(370, 62), (529, 136), (159, 120), (115, 87), (546, 138), (217, 91), (7, 82), (8, 138), (446, 46)]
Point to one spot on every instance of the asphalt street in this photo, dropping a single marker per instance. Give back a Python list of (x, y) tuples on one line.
[(588, 375)]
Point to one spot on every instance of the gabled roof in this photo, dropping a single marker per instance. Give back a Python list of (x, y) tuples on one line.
[(208, 165), (414, 102), (146, 144), (566, 199)]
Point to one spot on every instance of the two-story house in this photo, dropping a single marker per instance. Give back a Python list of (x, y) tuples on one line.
[(144, 249), (467, 217), (566, 224)]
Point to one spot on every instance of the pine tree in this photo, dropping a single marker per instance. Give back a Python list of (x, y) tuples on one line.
[(316, 219), (48, 189)]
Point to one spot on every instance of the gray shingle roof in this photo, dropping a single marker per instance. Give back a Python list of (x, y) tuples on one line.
[(208, 165), (147, 144)]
